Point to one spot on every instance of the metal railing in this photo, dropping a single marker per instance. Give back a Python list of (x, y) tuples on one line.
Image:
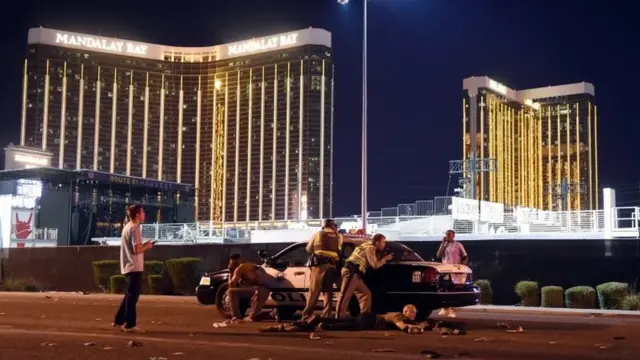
[(545, 223)]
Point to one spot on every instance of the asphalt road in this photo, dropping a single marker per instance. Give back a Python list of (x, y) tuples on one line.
[(71, 326)]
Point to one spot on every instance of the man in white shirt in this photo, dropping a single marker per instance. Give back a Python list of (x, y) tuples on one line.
[(132, 251), (452, 252)]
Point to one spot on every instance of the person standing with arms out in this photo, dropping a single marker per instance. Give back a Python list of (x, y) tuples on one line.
[(325, 248), (451, 252), (132, 251), (362, 258)]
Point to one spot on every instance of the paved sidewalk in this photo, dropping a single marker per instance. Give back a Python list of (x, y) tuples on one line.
[(548, 311)]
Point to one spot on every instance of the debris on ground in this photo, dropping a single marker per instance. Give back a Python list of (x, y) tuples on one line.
[(2, 314), (89, 344), (388, 334), (602, 346), (501, 325), (430, 354), (313, 336), (619, 337), (134, 343), (107, 348), (157, 358), (481, 339), (328, 342), (178, 353), (48, 344), (384, 350), (553, 342), (519, 329)]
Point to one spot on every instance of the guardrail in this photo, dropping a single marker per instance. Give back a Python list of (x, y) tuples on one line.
[(543, 223)]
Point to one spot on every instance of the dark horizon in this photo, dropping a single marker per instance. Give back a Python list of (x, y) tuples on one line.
[(419, 53)]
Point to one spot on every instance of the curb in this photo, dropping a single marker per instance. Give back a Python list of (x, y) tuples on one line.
[(549, 311)]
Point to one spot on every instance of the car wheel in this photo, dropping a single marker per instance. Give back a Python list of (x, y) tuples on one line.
[(222, 302)]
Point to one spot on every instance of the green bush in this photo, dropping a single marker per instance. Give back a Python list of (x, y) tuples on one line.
[(153, 267), (117, 284), (580, 297), (552, 296), (102, 272), (611, 294), (27, 285), (156, 284), (528, 292), (185, 274), (486, 293), (631, 302)]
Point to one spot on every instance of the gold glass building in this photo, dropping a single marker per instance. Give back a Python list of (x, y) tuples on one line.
[(249, 124), (544, 142)]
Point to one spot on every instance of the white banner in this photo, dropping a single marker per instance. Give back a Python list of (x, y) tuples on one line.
[(467, 209)]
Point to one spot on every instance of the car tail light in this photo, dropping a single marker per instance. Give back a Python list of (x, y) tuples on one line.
[(430, 276)]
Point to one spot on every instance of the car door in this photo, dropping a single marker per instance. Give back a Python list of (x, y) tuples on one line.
[(290, 269)]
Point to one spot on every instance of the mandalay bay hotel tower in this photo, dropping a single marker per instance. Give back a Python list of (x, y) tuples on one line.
[(544, 142), (249, 124)]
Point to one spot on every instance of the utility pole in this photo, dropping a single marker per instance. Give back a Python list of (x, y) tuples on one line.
[(560, 192), (473, 167)]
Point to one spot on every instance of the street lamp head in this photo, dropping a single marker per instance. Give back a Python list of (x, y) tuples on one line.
[(343, 2)]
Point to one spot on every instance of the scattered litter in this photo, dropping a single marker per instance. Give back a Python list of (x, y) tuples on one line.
[(450, 331), (328, 342), (481, 339), (98, 319), (2, 314), (388, 334), (619, 337), (157, 358), (43, 316), (502, 325), (255, 359), (553, 342), (430, 354), (191, 334), (602, 346), (48, 344), (89, 344), (384, 350), (313, 336), (107, 348), (48, 297), (134, 343), (178, 353), (517, 330), (220, 324)]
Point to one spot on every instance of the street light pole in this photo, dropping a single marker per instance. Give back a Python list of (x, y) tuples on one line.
[(363, 185), (364, 118)]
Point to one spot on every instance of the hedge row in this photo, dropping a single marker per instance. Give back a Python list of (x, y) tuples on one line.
[(611, 295), (175, 276)]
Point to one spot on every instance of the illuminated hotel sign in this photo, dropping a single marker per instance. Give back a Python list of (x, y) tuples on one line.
[(534, 105), (262, 44), (30, 161), (497, 87), (94, 43)]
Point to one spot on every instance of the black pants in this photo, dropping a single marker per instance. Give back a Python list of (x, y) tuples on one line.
[(127, 312)]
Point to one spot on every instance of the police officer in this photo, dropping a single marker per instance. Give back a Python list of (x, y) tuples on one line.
[(362, 258), (324, 247), (248, 280)]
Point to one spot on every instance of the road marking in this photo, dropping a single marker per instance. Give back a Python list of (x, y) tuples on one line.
[(299, 349)]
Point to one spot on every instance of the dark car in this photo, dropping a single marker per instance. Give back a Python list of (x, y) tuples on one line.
[(407, 279)]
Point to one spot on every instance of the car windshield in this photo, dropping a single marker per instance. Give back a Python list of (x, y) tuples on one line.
[(401, 252)]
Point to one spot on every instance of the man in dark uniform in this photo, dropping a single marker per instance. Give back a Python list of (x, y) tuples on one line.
[(325, 248), (248, 279)]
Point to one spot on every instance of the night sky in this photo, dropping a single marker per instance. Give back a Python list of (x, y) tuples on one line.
[(419, 52)]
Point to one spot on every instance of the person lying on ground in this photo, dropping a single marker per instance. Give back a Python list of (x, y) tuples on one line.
[(404, 321)]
